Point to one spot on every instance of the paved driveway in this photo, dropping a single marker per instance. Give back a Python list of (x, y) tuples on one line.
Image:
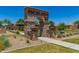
[(59, 42)]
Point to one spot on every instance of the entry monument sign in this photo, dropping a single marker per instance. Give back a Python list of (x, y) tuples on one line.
[(36, 23)]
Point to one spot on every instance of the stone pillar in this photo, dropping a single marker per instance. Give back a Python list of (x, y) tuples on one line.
[(30, 31), (27, 31), (45, 30), (52, 31), (34, 36)]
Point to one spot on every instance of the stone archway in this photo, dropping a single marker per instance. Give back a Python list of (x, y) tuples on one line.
[(30, 15)]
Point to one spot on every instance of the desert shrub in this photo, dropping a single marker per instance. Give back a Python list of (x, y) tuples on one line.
[(27, 41), (17, 32), (4, 41), (2, 47), (59, 36)]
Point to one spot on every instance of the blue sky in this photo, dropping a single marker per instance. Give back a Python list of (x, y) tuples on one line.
[(12, 13), (58, 14)]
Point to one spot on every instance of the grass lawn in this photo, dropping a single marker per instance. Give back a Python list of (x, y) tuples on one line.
[(73, 40), (46, 48)]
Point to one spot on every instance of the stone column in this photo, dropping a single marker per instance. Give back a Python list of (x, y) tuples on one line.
[(45, 30), (27, 31)]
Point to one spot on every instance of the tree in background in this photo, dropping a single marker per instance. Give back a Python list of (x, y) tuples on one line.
[(61, 26), (52, 28), (6, 22), (20, 21), (20, 24), (51, 23), (76, 22), (1, 23)]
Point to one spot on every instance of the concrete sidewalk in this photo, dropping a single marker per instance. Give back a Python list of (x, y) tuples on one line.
[(59, 42)]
